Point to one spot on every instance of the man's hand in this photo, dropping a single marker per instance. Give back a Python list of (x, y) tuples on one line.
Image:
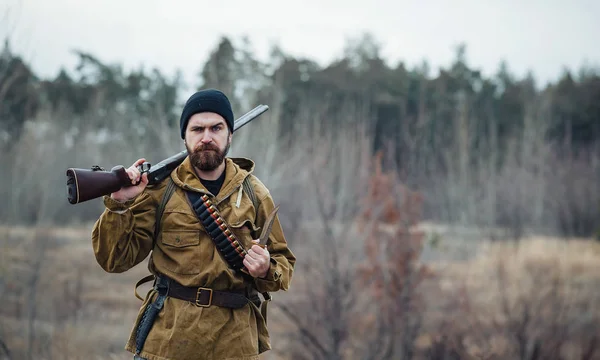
[(257, 261), (131, 192)]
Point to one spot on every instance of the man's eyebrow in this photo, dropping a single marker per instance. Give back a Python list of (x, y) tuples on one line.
[(203, 126)]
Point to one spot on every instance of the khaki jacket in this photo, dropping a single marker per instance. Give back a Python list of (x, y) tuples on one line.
[(123, 237)]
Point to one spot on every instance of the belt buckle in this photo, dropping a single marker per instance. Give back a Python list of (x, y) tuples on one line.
[(209, 297)]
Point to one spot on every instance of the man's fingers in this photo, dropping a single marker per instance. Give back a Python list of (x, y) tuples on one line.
[(249, 263), (260, 250), (134, 175), (145, 178), (134, 172), (257, 252), (255, 264), (138, 162), (253, 255), (131, 175), (256, 259)]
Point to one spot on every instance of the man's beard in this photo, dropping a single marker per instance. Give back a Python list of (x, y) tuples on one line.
[(208, 157)]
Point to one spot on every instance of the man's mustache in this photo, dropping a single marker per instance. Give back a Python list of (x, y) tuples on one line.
[(207, 147)]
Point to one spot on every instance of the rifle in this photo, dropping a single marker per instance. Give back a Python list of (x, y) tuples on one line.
[(87, 184)]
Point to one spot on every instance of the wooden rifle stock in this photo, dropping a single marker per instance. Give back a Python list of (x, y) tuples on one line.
[(87, 184)]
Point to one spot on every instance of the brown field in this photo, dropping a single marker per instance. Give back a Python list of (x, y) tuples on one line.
[(503, 301)]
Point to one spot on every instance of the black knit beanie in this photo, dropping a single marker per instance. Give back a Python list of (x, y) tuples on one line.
[(211, 100)]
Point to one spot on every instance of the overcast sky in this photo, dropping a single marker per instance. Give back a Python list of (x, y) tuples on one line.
[(544, 36)]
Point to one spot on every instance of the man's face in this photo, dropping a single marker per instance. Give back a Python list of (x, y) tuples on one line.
[(207, 140)]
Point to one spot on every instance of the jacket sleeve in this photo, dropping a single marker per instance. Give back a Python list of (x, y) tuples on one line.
[(283, 260), (123, 235)]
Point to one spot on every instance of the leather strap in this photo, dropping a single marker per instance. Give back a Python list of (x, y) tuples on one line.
[(249, 189), (145, 279), (161, 207), (204, 297)]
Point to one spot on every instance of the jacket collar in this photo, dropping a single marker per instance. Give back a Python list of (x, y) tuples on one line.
[(236, 170)]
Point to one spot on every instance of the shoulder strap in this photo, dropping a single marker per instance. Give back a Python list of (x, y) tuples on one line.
[(161, 207), (249, 189), (159, 212)]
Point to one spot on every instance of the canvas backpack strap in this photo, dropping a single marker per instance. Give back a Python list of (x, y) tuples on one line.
[(249, 189), (161, 207), (159, 213)]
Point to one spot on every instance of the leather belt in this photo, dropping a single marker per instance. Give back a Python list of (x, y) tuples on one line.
[(203, 297)]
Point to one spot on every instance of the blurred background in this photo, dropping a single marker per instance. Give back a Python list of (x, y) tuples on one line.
[(437, 164)]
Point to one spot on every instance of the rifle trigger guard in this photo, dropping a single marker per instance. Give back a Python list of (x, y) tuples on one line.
[(144, 167)]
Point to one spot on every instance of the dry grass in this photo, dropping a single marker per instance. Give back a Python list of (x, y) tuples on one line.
[(81, 310), (512, 298), (506, 297), (572, 258)]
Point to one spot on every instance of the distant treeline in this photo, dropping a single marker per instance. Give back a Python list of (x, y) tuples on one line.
[(452, 126), (401, 100)]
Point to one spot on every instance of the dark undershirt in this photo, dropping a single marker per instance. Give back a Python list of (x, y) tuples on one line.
[(214, 186)]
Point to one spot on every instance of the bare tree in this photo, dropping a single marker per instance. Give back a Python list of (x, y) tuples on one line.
[(330, 245), (393, 271)]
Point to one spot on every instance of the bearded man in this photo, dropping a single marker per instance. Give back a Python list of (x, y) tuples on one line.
[(199, 227)]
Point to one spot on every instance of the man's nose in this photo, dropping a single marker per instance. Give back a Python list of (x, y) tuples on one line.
[(206, 138)]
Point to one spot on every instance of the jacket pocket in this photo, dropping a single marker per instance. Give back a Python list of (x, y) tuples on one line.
[(181, 251), (245, 231)]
